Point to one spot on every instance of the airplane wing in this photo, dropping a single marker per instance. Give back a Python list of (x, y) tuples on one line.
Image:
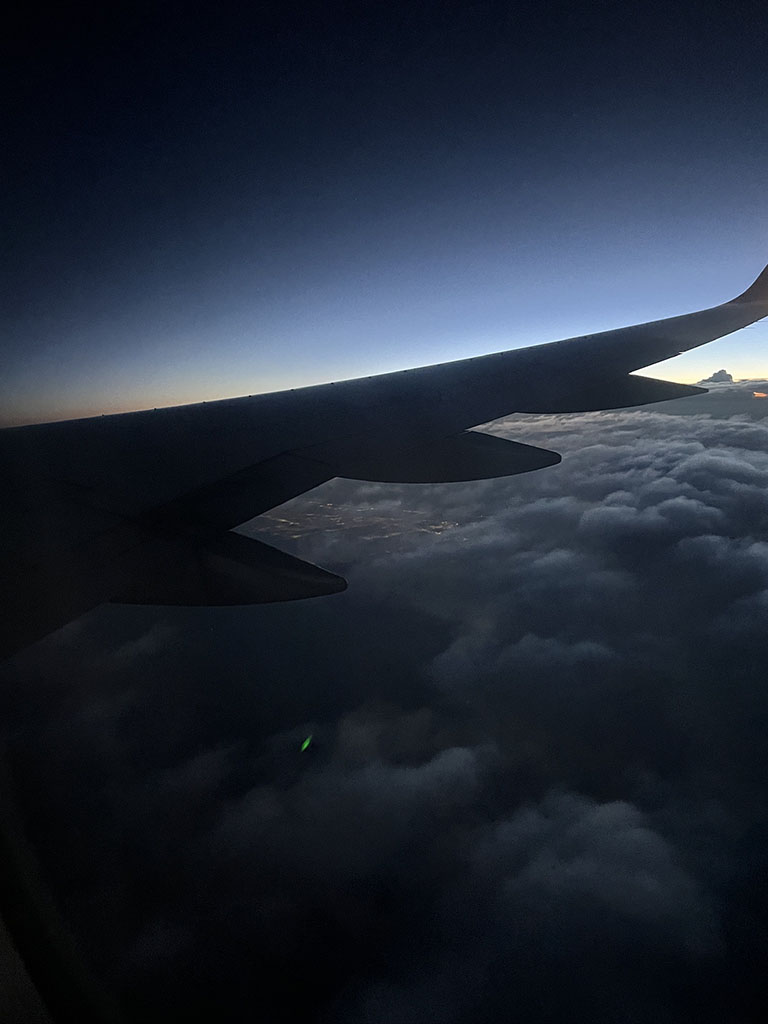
[(139, 507)]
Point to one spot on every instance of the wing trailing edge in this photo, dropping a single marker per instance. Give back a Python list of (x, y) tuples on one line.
[(470, 455), (147, 564), (596, 394), (228, 569)]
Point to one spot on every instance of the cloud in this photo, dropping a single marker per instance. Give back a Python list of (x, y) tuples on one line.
[(537, 772), (555, 884), (718, 377)]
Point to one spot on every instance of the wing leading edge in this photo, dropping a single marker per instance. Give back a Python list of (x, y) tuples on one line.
[(83, 493)]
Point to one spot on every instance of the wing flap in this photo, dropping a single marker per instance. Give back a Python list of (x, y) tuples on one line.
[(237, 498), (594, 394), (133, 564), (229, 569), (468, 456)]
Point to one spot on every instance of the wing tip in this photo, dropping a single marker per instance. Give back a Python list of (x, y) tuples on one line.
[(757, 291)]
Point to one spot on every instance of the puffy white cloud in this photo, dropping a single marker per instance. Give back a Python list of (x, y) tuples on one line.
[(538, 760)]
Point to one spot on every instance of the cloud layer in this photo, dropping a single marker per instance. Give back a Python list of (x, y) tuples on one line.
[(537, 780)]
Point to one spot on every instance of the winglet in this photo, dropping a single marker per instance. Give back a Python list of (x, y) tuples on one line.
[(757, 292)]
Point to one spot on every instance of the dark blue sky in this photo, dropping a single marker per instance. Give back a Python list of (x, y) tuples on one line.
[(205, 204)]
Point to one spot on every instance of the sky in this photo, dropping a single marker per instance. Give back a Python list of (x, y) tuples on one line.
[(535, 786), (202, 204)]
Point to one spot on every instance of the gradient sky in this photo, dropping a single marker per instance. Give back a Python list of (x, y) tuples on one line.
[(202, 205)]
